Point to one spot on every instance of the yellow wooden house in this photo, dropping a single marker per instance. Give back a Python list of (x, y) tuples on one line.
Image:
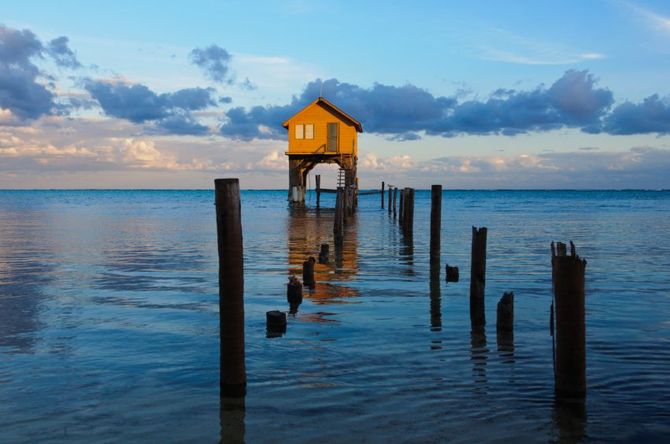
[(320, 133)]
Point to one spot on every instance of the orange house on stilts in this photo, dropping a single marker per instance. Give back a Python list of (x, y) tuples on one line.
[(320, 133)]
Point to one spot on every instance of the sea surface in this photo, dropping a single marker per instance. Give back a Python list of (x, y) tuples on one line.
[(109, 320)]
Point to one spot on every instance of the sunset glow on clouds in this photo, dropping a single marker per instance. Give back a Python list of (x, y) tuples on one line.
[(66, 114)]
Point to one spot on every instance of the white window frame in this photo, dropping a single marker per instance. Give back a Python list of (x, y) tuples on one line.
[(309, 131), (299, 131)]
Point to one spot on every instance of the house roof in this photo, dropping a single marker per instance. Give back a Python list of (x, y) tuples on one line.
[(334, 110)]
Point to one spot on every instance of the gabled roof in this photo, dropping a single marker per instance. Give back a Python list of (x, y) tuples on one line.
[(334, 110)]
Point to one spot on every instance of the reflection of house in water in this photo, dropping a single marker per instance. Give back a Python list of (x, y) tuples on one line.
[(306, 231)]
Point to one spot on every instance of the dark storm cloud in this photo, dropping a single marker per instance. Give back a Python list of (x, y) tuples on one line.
[(19, 90), (401, 111), (650, 116), (214, 61), (59, 50), (140, 104)]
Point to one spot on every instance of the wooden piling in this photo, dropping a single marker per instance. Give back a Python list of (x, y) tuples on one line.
[(435, 224), (293, 289), (318, 190), (324, 254), (338, 223), (308, 272), (390, 193), (570, 360), (275, 322), (408, 217), (452, 273), (401, 207), (382, 195), (505, 313), (478, 277), (395, 198), (233, 381)]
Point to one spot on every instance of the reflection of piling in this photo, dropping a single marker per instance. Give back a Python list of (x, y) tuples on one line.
[(478, 277), (395, 198), (338, 224), (318, 190), (308, 272), (232, 413), (568, 282), (382, 195), (435, 225), (231, 288), (435, 303), (324, 254)]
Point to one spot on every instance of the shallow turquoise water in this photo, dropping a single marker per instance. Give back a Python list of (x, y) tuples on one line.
[(109, 320)]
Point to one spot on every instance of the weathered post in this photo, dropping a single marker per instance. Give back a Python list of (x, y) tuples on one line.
[(505, 326), (452, 273), (568, 282), (505, 313), (402, 207), (395, 198), (408, 217), (338, 225), (390, 197), (382, 194), (478, 277), (275, 323), (324, 254), (233, 382), (318, 190), (435, 225), (294, 294), (308, 272)]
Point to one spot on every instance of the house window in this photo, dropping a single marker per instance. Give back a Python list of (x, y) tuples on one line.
[(309, 131), (300, 131)]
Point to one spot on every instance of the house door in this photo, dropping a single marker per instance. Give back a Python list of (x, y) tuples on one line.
[(331, 146)]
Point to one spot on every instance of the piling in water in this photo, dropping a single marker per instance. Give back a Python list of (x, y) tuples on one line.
[(505, 326), (568, 283), (505, 313), (452, 273), (293, 289), (408, 216), (395, 199), (435, 225), (390, 193), (318, 190), (233, 380), (275, 323), (401, 215), (324, 254), (478, 277), (338, 223), (382, 195), (308, 272)]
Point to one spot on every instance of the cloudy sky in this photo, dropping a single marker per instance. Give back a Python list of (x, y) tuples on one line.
[(495, 94)]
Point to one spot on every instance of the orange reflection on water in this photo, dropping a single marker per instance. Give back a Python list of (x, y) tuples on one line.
[(306, 230)]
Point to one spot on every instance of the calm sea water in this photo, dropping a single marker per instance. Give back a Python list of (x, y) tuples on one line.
[(109, 320)]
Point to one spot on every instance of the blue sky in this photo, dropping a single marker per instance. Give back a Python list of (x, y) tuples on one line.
[(523, 94)]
